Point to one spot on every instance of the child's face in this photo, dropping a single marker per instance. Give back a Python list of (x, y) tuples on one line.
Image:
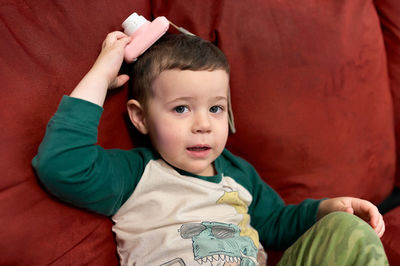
[(187, 118)]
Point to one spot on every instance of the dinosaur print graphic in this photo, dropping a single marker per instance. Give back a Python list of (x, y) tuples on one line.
[(233, 199), (219, 244)]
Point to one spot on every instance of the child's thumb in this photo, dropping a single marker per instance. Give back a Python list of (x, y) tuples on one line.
[(349, 210), (119, 81)]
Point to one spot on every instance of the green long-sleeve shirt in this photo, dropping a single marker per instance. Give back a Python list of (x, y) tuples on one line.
[(154, 204)]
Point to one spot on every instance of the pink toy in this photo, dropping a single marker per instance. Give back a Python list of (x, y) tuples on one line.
[(144, 33)]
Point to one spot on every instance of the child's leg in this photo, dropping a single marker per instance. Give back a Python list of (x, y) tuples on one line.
[(337, 239)]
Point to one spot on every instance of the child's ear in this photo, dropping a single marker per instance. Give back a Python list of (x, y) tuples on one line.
[(137, 116)]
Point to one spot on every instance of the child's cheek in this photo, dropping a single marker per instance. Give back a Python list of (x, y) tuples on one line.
[(170, 138)]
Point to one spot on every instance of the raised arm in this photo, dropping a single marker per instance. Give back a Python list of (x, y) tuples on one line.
[(104, 73), (69, 162)]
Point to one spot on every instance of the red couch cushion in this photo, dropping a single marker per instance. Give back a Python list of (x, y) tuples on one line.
[(391, 238), (310, 92), (46, 47), (389, 11)]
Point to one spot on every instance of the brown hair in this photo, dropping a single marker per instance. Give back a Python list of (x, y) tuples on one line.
[(175, 51)]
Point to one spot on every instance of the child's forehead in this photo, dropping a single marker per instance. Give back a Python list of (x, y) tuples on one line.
[(187, 72), (189, 81), (178, 75)]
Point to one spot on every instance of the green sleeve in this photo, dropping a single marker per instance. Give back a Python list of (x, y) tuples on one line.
[(279, 225), (76, 170)]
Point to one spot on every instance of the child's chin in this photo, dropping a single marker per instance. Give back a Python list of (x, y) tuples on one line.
[(206, 171)]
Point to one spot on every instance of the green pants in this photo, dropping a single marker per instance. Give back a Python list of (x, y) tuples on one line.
[(337, 239)]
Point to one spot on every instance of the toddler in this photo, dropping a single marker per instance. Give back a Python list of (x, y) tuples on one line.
[(187, 200)]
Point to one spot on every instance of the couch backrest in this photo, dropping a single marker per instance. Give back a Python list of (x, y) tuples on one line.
[(313, 97), (45, 49), (310, 92)]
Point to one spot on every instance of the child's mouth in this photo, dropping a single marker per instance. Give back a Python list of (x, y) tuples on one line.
[(198, 148), (199, 151)]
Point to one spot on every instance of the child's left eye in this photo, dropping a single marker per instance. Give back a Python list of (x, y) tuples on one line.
[(216, 109)]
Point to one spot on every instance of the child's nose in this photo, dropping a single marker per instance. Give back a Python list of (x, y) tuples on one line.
[(201, 123)]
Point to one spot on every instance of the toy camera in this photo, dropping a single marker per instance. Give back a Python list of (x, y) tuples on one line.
[(144, 34)]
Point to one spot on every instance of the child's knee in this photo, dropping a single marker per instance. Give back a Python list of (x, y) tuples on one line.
[(339, 238), (351, 237), (338, 220), (348, 229)]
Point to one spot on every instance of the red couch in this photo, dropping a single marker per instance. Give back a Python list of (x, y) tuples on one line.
[(315, 92)]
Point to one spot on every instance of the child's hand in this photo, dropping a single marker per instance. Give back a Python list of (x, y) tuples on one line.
[(110, 59), (104, 73), (362, 208)]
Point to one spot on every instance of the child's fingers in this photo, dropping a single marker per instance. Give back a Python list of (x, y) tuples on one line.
[(383, 228), (370, 213), (374, 215), (380, 226), (124, 41), (112, 37), (119, 81), (367, 211), (376, 220), (349, 210), (380, 229)]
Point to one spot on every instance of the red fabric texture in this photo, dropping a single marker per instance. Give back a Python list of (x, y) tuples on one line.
[(45, 49), (315, 91), (310, 94), (389, 11), (391, 239)]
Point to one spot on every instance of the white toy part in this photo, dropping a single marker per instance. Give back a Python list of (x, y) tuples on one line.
[(144, 34), (133, 22)]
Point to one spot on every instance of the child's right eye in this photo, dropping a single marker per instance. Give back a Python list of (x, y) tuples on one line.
[(181, 109)]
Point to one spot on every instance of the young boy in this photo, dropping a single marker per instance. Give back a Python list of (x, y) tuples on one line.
[(187, 200)]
